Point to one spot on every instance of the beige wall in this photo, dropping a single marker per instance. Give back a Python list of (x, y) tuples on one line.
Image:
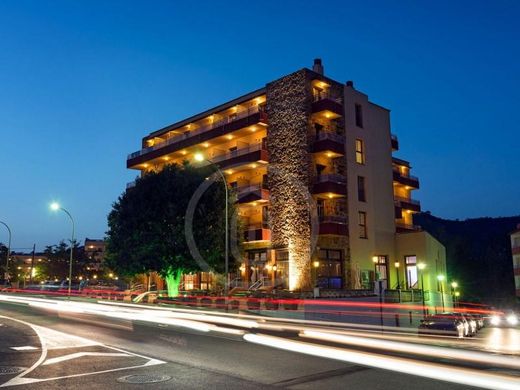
[(377, 171)]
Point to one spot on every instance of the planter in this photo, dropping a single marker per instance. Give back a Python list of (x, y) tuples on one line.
[(206, 302), (234, 305), (272, 304), (221, 304), (253, 304)]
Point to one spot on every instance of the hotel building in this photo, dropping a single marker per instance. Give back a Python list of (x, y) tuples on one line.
[(323, 200)]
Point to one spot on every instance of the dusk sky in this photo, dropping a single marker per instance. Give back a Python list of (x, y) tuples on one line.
[(81, 82)]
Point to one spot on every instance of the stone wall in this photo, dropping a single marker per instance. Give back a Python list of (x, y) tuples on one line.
[(288, 109)]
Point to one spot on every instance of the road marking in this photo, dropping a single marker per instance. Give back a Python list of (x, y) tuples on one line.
[(24, 348), (52, 339), (77, 355)]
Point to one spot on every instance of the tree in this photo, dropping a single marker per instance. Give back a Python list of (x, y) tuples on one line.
[(146, 225)]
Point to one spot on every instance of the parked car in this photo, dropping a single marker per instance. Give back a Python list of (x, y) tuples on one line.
[(443, 325)]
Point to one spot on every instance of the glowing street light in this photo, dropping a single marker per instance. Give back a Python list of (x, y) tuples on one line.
[(397, 265), (200, 158), (55, 207), (454, 284), (8, 251)]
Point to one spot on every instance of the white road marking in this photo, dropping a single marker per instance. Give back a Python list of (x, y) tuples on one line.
[(52, 339), (25, 348), (76, 355)]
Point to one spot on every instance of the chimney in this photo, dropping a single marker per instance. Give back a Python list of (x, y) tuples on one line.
[(317, 67), (350, 83)]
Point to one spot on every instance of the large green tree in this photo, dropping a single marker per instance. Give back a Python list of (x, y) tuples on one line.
[(147, 225)]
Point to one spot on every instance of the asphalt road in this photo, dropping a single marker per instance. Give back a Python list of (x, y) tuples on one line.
[(108, 351)]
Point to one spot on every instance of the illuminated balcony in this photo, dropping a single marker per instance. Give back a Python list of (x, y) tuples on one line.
[(407, 204), (333, 224), (405, 179), (329, 143), (257, 232), (330, 185), (250, 154), (251, 116), (252, 193), (328, 105)]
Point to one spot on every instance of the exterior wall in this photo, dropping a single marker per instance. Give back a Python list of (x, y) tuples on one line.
[(377, 171), (433, 254), (288, 107), (515, 249)]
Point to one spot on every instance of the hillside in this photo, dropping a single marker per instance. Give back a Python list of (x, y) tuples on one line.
[(479, 255)]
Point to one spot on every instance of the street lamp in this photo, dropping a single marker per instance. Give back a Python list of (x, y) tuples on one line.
[(397, 265), (200, 157), (8, 251), (55, 207), (421, 267), (441, 278)]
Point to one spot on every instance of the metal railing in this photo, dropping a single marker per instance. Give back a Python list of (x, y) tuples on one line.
[(256, 226), (335, 177), (399, 199), (332, 136), (405, 175), (321, 95), (241, 191), (238, 152), (333, 218), (407, 226), (199, 130)]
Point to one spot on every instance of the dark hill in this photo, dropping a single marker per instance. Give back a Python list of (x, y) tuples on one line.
[(478, 253)]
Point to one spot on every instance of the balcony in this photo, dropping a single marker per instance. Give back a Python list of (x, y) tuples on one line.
[(249, 154), (333, 224), (257, 232), (395, 142), (407, 204), (329, 142), (251, 116), (516, 250), (324, 101), (252, 193), (330, 184), (407, 180), (405, 227)]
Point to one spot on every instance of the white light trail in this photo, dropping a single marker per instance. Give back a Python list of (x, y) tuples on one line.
[(405, 366)]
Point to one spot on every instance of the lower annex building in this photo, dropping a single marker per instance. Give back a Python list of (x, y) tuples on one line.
[(323, 200)]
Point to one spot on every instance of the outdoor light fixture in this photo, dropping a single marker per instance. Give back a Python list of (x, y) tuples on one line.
[(421, 266), (316, 264), (199, 157), (375, 259), (454, 284), (440, 278), (397, 264), (55, 206)]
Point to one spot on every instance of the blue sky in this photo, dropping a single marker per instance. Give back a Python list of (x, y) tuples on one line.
[(81, 82)]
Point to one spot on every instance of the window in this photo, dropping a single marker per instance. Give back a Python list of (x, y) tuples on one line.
[(329, 274), (361, 189), (360, 151), (320, 205), (411, 271), (359, 115), (381, 268), (362, 223)]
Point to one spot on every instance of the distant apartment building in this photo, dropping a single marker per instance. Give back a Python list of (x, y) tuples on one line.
[(515, 249), (310, 158), (95, 253)]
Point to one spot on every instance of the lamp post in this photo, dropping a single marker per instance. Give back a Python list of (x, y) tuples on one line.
[(199, 157), (397, 264), (440, 278), (55, 207), (315, 266), (454, 286), (421, 267), (375, 261), (8, 251)]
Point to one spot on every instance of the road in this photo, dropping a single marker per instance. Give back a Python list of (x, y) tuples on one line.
[(55, 350)]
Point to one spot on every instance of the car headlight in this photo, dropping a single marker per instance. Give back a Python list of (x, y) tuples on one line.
[(495, 320), (512, 319)]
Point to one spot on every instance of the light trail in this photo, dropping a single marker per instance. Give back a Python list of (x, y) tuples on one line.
[(402, 365)]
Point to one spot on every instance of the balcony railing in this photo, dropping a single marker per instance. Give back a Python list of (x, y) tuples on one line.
[(236, 153), (333, 219), (202, 129), (406, 226), (257, 226), (331, 177), (406, 176), (330, 136), (398, 200), (243, 190), (317, 96)]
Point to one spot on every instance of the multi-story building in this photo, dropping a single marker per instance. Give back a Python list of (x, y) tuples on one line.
[(323, 200), (515, 249), (95, 252)]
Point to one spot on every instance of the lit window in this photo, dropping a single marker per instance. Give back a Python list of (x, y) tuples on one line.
[(360, 151), (362, 223)]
